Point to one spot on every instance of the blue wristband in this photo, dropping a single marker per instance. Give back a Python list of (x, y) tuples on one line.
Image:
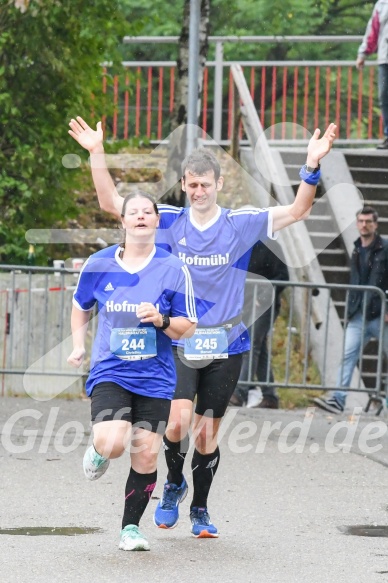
[(310, 177)]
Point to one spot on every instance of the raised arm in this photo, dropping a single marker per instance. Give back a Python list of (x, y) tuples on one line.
[(92, 140), (301, 207)]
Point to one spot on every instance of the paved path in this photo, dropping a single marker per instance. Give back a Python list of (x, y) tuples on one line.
[(281, 502)]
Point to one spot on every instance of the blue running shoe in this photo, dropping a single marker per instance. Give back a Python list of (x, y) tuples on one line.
[(201, 525), (167, 512)]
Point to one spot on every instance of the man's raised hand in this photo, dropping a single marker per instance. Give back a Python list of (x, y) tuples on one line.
[(319, 147)]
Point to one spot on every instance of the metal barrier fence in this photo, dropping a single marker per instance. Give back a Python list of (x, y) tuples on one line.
[(305, 346), (35, 335), (301, 92)]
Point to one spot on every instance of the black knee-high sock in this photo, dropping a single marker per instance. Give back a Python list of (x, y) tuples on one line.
[(138, 491), (175, 453), (204, 468)]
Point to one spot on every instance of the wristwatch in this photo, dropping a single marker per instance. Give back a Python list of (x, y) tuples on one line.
[(166, 322), (311, 169)]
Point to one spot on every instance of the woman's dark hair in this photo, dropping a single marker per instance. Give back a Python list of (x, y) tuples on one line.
[(139, 194)]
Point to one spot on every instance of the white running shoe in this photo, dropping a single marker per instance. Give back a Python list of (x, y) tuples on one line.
[(254, 397), (95, 465), (131, 539)]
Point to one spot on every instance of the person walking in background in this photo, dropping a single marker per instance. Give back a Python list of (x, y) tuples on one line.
[(211, 240), (369, 266), (145, 298), (376, 41), (267, 260)]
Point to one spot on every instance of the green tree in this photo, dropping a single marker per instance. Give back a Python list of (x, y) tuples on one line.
[(50, 69)]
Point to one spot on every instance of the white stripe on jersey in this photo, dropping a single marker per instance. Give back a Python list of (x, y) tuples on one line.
[(271, 234), (247, 211), (167, 208), (257, 211), (190, 301), (82, 268), (76, 304)]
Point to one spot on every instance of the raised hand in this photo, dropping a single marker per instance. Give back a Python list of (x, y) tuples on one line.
[(91, 140), (318, 147)]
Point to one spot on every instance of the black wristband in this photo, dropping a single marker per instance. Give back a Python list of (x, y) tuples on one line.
[(311, 169), (166, 322)]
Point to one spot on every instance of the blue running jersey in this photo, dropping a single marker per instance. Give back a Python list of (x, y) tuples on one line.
[(216, 255), (162, 280)]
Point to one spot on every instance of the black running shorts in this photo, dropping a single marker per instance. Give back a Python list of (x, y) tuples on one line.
[(112, 402), (212, 384)]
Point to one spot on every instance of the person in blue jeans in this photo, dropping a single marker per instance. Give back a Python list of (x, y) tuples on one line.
[(369, 266), (376, 41)]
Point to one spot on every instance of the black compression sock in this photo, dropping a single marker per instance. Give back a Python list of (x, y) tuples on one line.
[(138, 492), (175, 453), (204, 468)]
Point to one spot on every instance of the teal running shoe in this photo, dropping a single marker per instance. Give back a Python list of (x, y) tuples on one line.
[(131, 539), (95, 465)]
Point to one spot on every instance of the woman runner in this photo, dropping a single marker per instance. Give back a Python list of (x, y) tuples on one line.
[(145, 299)]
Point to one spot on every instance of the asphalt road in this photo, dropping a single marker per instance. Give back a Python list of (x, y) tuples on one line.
[(289, 488)]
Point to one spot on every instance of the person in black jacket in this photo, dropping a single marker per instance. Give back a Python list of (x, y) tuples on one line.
[(266, 260), (369, 266)]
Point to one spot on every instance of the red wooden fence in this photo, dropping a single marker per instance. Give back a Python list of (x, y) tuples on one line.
[(308, 96)]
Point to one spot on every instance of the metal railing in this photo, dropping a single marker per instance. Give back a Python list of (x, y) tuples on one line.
[(308, 365), (302, 93), (35, 335)]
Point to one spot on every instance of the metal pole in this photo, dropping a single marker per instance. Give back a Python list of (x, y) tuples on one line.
[(192, 102), (218, 92)]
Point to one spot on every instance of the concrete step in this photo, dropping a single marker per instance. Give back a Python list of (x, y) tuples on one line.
[(335, 274), (333, 268), (332, 257), (367, 158), (320, 223), (293, 157), (369, 176), (373, 191), (379, 204), (324, 240)]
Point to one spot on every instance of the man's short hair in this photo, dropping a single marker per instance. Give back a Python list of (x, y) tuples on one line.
[(200, 161), (368, 210)]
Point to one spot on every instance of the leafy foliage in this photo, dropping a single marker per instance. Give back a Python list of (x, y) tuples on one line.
[(50, 67), (290, 18)]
